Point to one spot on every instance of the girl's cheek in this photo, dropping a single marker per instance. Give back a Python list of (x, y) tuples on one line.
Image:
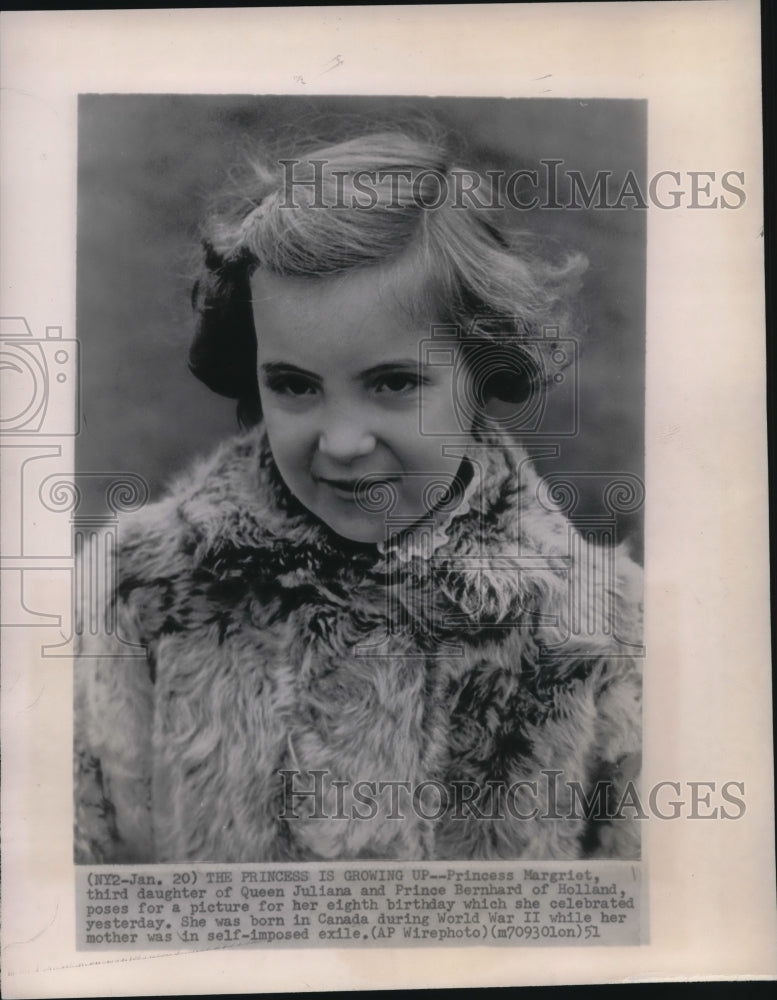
[(437, 417), (291, 433), (401, 431)]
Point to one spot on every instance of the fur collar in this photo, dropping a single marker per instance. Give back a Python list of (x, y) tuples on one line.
[(501, 562), (235, 508)]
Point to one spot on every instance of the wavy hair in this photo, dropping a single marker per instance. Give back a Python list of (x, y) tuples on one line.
[(365, 202)]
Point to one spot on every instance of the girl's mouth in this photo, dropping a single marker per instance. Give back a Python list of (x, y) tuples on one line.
[(342, 487), (349, 489)]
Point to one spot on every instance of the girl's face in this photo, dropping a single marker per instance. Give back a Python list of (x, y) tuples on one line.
[(346, 393)]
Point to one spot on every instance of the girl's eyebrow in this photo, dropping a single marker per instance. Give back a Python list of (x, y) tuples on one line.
[(387, 367), (273, 368)]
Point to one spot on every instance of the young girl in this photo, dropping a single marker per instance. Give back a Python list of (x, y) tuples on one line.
[(369, 632)]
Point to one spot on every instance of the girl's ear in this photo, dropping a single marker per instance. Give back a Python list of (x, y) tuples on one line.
[(501, 374), (510, 390), (500, 409)]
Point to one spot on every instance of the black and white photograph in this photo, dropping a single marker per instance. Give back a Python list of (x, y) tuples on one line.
[(383, 470), (373, 629)]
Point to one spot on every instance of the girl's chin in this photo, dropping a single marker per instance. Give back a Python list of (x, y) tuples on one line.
[(367, 531), (350, 521), (347, 518)]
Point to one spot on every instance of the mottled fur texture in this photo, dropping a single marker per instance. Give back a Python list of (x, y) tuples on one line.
[(256, 618)]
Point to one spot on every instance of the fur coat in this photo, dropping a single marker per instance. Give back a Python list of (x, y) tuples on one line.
[(454, 694)]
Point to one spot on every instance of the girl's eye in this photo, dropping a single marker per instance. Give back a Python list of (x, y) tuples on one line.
[(397, 382), (291, 385)]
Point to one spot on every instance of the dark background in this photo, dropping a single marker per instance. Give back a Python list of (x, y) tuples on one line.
[(148, 166)]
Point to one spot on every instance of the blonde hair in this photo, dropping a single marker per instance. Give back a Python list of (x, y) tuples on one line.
[(359, 203)]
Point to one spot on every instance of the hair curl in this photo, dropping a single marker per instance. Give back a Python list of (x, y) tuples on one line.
[(487, 279)]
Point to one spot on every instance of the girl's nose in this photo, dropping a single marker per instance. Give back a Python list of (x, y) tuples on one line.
[(345, 440)]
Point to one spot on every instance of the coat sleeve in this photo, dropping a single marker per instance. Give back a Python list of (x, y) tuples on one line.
[(618, 739), (618, 762), (113, 715)]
